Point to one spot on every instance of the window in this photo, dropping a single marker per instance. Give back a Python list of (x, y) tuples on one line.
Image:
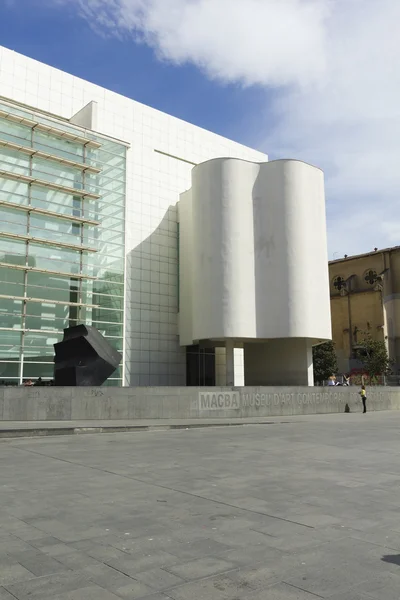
[(339, 283), (46, 275), (370, 277)]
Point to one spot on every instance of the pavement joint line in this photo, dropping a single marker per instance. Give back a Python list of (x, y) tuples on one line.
[(197, 579), (8, 591), (119, 570), (263, 533), (164, 487), (295, 587)]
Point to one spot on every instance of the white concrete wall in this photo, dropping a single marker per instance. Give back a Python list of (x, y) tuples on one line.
[(154, 181), (70, 404), (258, 249)]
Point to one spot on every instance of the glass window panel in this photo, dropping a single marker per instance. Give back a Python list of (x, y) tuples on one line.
[(47, 316), (32, 370), (52, 287), (115, 224), (116, 343), (107, 210), (108, 200), (12, 251), (115, 195), (111, 186), (40, 344), (110, 302), (110, 265), (105, 267), (57, 173), (109, 171), (10, 345), (14, 221), (11, 280), (12, 132), (11, 190), (55, 237), (54, 259), (108, 179), (111, 155), (105, 289), (117, 286), (52, 224), (51, 199), (112, 237), (86, 315), (108, 329), (10, 314), (14, 162), (11, 288), (59, 147), (111, 321), (50, 228), (109, 145), (10, 321), (113, 383), (9, 370)]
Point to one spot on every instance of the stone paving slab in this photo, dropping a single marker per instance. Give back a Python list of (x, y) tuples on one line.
[(305, 509)]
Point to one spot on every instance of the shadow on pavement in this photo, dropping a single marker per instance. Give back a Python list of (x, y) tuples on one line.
[(394, 559)]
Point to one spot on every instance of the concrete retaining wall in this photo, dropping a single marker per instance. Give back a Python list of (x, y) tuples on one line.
[(66, 404)]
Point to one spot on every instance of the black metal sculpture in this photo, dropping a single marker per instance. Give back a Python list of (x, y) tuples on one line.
[(84, 358)]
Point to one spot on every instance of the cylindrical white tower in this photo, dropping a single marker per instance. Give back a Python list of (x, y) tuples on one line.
[(255, 264)]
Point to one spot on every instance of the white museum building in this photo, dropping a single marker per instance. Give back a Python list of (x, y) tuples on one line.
[(202, 262)]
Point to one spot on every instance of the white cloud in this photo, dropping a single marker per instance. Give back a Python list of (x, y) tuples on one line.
[(232, 40), (333, 66)]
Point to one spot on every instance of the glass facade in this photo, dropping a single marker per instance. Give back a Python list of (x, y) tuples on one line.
[(62, 232)]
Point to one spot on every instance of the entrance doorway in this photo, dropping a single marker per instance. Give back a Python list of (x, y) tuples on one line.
[(200, 366)]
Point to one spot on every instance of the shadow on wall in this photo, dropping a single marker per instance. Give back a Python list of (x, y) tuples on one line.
[(268, 234), (153, 354)]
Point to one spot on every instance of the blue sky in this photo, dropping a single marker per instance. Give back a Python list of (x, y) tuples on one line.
[(316, 80), (61, 38)]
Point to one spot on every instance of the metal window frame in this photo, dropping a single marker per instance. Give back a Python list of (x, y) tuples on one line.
[(48, 213), (48, 184), (5, 265), (29, 238), (60, 133), (47, 301), (40, 154)]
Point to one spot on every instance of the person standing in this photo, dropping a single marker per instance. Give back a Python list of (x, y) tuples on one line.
[(363, 395)]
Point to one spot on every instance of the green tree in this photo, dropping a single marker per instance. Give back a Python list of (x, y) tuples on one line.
[(324, 361), (374, 356)]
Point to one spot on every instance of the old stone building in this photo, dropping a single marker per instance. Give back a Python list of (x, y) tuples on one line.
[(365, 298)]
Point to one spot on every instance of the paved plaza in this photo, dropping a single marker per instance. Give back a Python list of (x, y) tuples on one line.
[(294, 510)]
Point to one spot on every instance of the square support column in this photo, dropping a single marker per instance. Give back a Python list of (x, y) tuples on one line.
[(230, 362)]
